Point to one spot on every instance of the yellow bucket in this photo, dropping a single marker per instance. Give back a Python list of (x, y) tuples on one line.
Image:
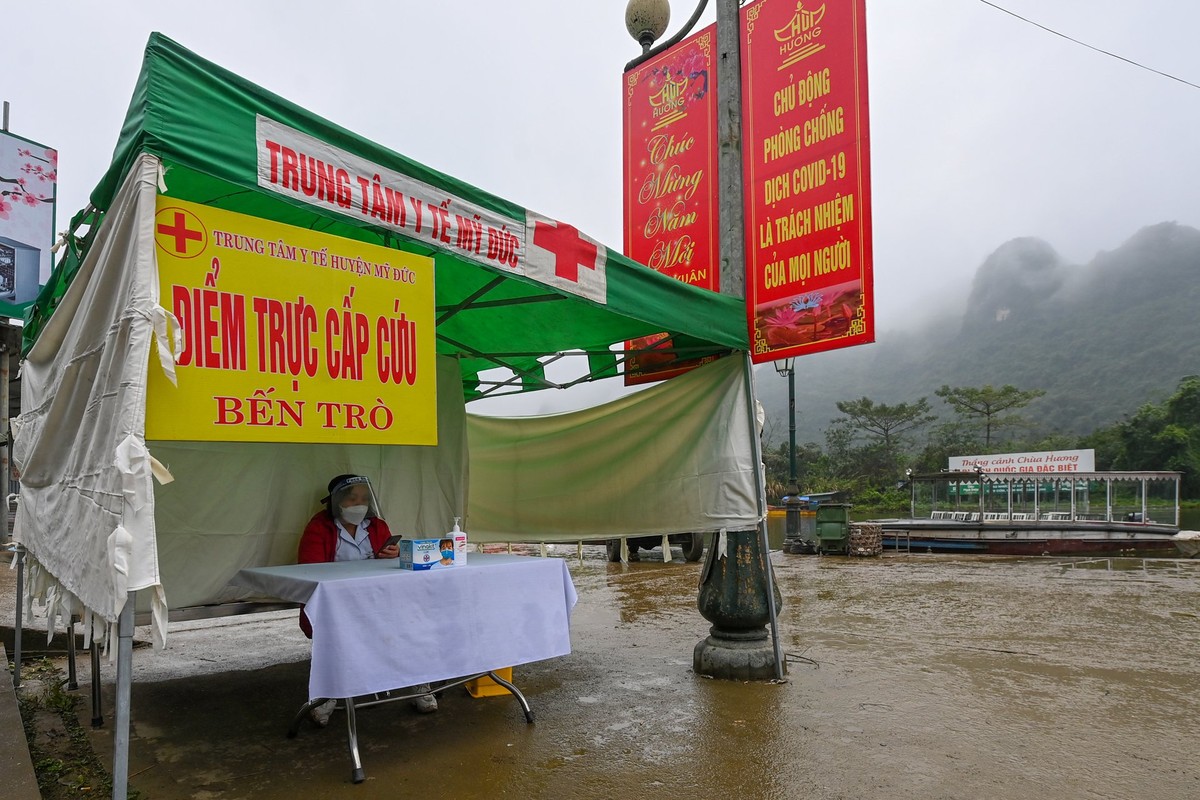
[(486, 687)]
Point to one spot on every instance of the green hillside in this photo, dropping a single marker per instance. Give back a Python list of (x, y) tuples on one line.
[(1101, 339)]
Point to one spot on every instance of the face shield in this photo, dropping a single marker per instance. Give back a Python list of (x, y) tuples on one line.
[(349, 495)]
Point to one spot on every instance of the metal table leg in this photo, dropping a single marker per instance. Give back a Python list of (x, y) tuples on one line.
[(515, 693), (356, 774), (294, 728)]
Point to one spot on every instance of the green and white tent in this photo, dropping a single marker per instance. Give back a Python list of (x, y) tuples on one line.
[(110, 517), (97, 527), (202, 122)]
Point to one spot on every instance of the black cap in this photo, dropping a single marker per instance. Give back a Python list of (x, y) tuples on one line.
[(339, 481)]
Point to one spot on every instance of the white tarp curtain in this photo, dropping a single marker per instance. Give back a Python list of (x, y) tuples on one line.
[(674, 458), (86, 512), (95, 525)]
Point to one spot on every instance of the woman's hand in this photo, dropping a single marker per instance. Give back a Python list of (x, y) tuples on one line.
[(391, 551)]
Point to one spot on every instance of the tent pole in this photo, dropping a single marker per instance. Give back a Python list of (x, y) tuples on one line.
[(18, 550), (97, 712), (120, 772), (761, 492), (19, 553), (5, 469)]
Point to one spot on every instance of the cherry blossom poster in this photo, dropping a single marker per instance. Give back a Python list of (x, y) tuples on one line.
[(28, 177)]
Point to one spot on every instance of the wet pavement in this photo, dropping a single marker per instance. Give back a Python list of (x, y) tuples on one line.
[(909, 677)]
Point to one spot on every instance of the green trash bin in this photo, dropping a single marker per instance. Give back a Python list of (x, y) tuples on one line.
[(833, 528), (808, 528)]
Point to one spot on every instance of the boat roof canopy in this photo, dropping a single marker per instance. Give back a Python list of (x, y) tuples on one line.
[(962, 476)]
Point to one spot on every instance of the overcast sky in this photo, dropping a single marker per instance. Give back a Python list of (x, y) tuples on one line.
[(983, 127)]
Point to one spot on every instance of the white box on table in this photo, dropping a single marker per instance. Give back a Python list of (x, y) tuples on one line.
[(422, 554)]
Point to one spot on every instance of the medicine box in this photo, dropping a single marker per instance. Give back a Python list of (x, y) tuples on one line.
[(422, 554)]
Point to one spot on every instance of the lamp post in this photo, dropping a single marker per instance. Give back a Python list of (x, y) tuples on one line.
[(737, 590), (786, 369), (791, 502)]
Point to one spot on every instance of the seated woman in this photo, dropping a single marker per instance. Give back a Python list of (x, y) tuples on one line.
[(349, 528)]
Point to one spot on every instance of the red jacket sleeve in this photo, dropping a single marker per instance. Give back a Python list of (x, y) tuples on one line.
[(315, 542)]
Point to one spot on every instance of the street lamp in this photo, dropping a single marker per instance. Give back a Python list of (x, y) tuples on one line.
[(792, 540), (646, 20), (786, 369)]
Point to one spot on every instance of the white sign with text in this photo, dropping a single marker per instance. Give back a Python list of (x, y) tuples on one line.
[(1044, 462)]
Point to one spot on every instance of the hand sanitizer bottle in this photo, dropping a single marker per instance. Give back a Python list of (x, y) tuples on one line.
[(460, 543)]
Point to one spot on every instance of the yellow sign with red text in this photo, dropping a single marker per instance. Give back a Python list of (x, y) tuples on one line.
[(289, 335)]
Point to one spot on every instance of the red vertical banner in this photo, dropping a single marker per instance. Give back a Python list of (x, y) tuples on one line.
[(806, 151), (670, 143)]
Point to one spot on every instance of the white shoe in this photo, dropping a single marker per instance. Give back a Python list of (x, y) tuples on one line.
[(320, 714), (426, 703)]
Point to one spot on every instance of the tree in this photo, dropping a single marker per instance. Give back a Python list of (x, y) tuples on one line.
[(886, 423), (988, 404), (811, 469), (1183, 407), (1158, 437), (877, 461), (945, 441)]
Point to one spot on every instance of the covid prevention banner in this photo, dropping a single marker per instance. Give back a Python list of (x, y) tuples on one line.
[(806, 146), (289, 335)]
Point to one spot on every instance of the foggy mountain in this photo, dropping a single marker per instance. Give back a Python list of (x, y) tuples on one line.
[(1101, 339)]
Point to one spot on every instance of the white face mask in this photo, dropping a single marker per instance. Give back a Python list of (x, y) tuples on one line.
[(354, 514)]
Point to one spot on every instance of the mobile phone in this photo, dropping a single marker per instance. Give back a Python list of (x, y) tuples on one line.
[(392, 540)]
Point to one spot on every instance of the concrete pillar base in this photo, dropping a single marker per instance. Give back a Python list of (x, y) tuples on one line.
[(736, 657)]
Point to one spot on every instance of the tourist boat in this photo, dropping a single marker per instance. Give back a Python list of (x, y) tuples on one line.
[(1022, 514)]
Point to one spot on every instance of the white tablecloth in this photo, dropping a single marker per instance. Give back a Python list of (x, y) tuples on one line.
[(377, 627)]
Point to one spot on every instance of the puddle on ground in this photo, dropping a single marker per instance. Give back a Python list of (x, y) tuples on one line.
[(909, 677)]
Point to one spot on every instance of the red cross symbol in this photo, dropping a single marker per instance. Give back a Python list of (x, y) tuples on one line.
[(180, 232), (571, 251)]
